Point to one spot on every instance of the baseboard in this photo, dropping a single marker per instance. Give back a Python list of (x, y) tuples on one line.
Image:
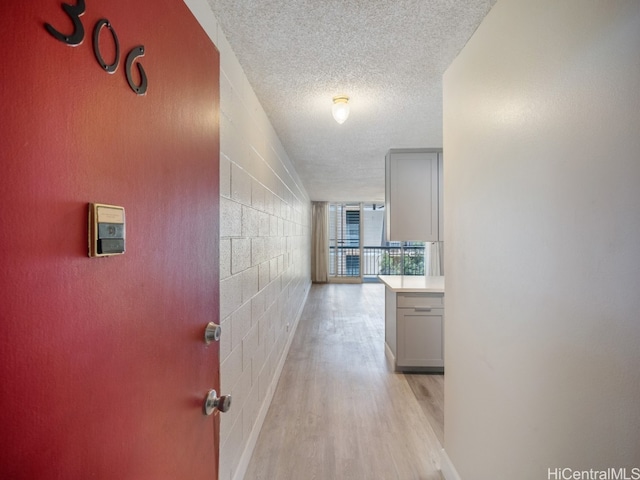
[(446, 467), (245, 458), (390, 356)]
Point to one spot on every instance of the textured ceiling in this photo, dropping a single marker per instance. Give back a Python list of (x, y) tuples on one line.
[(388, 56)]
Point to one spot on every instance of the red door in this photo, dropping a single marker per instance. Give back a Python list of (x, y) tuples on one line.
[(103, 366)]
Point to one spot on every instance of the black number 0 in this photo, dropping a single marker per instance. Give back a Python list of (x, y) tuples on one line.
[(103, 22)]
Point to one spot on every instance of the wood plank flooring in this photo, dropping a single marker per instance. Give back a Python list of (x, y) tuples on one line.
[(339, 411), (429, 392)]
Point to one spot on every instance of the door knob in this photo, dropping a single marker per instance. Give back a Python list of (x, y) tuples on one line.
[(212, 402), (212, 333)]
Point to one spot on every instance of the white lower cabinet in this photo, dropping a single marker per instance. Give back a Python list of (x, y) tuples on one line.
[(415, 330)]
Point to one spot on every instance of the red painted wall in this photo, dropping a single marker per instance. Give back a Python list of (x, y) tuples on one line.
[(101, 360)]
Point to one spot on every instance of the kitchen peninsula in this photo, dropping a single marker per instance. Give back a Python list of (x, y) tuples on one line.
[(414, 322)]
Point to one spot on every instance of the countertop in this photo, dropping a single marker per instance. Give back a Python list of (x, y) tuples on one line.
[(413, 283)]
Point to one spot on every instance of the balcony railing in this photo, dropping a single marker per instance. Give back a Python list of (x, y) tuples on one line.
[(376, 261)]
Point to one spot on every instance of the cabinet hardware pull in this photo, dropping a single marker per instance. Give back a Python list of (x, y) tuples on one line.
[(422, 309)]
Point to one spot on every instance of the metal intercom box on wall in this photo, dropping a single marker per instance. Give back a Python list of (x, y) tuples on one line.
[(106, 230)]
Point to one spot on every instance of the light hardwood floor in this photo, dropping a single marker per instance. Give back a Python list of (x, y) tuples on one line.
[(339, 411), (429, 392)]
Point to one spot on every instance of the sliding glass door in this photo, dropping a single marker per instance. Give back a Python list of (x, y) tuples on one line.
[(358, 250), (345, 246)]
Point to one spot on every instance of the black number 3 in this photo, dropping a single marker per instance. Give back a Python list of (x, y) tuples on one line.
[(74, 12)]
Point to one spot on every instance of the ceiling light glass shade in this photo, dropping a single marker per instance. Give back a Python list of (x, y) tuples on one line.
[(340, 108)]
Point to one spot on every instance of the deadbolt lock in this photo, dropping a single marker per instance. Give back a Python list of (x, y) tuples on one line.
[(212, 333)]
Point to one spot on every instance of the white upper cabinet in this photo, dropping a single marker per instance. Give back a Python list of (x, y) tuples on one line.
[(412, 188)]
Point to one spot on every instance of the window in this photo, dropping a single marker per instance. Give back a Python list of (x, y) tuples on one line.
[(357, 250), (344, 240)]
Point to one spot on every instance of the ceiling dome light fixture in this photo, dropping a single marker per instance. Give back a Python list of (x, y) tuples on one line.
[(340, 108)]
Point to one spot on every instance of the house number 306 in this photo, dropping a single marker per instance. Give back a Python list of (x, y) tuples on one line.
[(77, 36)]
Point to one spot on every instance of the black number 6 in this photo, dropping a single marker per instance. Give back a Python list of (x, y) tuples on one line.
[(133, 54)]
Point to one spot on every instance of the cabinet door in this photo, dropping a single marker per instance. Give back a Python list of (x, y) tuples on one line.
[(420, 339), (412, 196)]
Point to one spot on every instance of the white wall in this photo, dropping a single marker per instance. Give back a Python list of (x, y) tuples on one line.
[(542, 201), (264, 254)]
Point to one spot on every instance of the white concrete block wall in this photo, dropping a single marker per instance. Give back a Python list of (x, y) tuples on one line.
[(259, 298), (265, 227)]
